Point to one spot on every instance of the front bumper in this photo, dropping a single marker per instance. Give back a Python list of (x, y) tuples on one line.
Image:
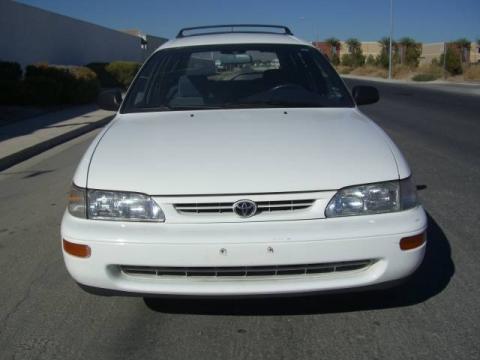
[(374, 237)]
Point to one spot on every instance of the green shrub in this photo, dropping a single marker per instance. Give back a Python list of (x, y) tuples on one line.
[(346, 60), (335, 60), (51, 85), (104, 77), (355, 57), (123, 71), (86, 86), (454, 63), (46, 85), (383, 59), (412, 55), (10, 71), (411, 52), (40, 91), (10, 76), (353, 60), (57, 73), (424, 77), (370, 60)]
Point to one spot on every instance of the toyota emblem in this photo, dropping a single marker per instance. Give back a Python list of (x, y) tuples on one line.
[(245, 208)]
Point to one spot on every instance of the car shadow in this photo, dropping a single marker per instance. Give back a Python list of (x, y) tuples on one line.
[(430, 279)]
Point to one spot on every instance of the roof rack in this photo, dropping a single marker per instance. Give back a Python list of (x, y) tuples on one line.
[(286, 30)]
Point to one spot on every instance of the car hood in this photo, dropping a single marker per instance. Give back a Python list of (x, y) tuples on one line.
[(241, 152)]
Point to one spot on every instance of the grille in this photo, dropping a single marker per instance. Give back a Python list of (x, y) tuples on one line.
[(227, 207), (246, 271)]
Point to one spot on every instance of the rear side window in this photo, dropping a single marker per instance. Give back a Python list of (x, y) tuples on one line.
[(236, 76)]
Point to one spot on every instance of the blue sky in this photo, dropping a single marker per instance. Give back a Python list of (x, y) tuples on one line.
[(424, 20)]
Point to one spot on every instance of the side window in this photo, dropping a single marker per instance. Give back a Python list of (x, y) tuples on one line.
[(142, 82)]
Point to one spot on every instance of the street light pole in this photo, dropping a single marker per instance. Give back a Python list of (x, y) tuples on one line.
[(444, 60), (390, 47)]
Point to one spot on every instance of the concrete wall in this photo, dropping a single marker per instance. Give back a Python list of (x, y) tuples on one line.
[(474, 52), (30, 35), (368, 48), (371, 48), (431, 51)]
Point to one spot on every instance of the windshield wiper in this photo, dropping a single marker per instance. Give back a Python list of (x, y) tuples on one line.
[(174, 108), (147, 109), (273, 103), (194, 107)]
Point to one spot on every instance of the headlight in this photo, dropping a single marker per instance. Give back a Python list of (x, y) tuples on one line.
[(373, 199), (114, 205)]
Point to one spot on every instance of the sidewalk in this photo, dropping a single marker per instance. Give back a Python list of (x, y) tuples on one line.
[(442, 85), (24, 139)]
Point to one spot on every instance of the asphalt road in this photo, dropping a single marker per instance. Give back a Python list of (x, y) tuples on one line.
[(44, 315)]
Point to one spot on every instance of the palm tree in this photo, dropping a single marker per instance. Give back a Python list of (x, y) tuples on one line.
[(354, 46), (382, 58), (385, 43), (410, 51), (407, 41), (355, 56), (463, 45), (334, 44)]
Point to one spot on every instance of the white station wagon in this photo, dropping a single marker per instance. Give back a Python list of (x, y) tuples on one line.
[(238, 163)]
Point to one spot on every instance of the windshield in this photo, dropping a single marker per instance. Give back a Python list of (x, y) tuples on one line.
[(236, 76)]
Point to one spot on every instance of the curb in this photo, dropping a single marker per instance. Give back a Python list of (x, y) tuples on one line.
[(31, 151), (468, 89), (466, 84)]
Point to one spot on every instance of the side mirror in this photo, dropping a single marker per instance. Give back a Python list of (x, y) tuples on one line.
[(110, 99), (365, 95)]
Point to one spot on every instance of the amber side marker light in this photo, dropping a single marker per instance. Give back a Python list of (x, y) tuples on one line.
[(412, 242), (78, 250)]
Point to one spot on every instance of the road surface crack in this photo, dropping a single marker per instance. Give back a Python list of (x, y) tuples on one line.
[(24, 298)]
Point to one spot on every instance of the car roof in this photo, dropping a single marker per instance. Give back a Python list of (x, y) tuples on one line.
[(233, 38)]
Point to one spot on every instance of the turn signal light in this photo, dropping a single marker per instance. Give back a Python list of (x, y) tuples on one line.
[(78, 250), (412, 242)]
